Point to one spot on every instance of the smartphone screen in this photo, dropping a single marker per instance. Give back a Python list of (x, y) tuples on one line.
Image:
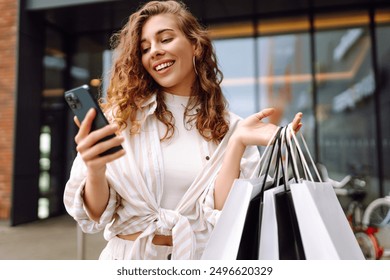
[(80, 101)]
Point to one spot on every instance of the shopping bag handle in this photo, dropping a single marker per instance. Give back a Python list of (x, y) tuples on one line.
[(288, 161), (275, 142), (301, 154), (280, 160), (267, 152), (290, 158)]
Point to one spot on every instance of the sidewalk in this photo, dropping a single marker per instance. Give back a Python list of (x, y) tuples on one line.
[(51, 239)]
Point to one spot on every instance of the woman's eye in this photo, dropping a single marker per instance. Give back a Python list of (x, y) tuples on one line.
[(145, 50), (167, 40)]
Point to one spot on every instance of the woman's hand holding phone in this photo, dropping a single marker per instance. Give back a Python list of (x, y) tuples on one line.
[(96, 139), (97, 144), (91, 147)]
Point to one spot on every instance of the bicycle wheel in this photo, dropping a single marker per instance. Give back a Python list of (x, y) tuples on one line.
[(377, 213), (368, 245)]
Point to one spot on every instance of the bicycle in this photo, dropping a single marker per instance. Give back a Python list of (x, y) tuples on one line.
[(354, 187), (377, 215)]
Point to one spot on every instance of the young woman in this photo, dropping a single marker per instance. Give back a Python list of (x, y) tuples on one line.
[(160, 197)]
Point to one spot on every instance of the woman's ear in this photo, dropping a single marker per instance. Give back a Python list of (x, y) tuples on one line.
[(196, 49)]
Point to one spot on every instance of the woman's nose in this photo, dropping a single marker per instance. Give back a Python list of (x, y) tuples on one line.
[(156, 50)]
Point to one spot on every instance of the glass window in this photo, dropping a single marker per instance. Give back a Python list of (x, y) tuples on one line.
[(87, 62), (285, 80), (383, 55), (51, 179), (54, 63), (44, 176), (235, 58), (345, 103), (282, 67)]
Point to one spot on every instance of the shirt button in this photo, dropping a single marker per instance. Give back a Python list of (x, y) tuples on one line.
[(169, 256), (207, 157)]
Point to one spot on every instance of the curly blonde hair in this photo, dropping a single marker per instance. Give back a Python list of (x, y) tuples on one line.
[(131, 85)]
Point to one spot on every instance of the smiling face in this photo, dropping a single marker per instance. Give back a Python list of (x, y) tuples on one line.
[(167, 54)]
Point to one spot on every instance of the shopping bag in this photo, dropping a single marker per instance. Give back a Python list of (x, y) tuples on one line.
[(289, 236), (325, 231), (232, 235), (269, 243), (268, 248), (280, 237), (250, 239), (323, 225), (225, 238)]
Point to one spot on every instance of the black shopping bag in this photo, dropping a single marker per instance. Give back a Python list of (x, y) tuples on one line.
[(250, 238), (289, 237)]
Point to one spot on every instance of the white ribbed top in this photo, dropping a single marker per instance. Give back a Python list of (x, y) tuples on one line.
[(181, 154)]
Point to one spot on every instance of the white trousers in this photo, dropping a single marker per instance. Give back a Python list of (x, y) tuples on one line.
[(120, 249)]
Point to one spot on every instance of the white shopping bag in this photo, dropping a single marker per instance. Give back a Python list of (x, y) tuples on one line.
[(325, 231), (224, 241), (269, 245), (225, 238)]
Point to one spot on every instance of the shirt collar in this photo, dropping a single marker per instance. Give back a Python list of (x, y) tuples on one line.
[(152, 99), (150, 105)]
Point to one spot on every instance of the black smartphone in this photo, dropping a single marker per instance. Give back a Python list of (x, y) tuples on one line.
[(80, 100)]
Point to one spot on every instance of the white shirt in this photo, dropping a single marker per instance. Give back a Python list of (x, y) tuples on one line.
[(136, 186)]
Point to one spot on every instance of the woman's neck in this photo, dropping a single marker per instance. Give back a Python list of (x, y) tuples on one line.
[(180, 90), (175, 99)]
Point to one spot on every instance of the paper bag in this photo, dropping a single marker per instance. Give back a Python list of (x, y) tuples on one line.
[(225, 238), (325, 231), (289, 236), (269, 247)]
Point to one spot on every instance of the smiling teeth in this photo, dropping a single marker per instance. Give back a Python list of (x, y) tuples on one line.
[(164, 65)]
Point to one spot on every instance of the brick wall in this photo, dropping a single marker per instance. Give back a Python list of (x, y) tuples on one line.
[(8, 47)]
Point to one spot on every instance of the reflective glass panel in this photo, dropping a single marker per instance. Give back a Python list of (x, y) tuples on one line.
[(383, 54), (236, 61), (285, 80), (345, 107)]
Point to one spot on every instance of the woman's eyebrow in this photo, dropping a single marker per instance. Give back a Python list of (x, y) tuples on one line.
[(159, 32), (163, 30)]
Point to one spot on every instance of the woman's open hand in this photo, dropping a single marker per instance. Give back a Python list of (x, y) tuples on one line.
[(254, 131)]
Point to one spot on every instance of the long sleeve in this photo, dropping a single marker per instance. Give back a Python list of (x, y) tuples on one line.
[(74, 202)]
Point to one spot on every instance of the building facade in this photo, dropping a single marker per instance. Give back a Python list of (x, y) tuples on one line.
[(327, 59), (8, 50)]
